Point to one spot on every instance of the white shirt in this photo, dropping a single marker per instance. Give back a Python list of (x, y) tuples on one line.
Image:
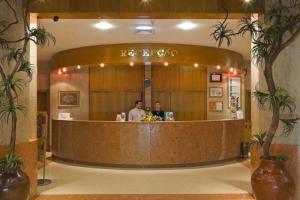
[(136, 114)]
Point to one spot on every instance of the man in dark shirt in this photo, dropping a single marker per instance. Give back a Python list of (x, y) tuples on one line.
[(158, 112)]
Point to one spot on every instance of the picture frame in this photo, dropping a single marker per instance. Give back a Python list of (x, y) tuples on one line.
[(216, 106), (216, 77), (68, 98), (234, 90), (216, 92)]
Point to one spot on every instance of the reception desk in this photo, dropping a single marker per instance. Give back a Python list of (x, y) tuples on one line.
[(144, 144)]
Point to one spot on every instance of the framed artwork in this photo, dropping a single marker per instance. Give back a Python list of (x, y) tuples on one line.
[(69, 98), (216, 77), (234, 92), (216, 106), (215, 91)]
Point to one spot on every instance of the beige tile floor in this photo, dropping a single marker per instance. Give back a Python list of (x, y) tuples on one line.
[(232, 178)]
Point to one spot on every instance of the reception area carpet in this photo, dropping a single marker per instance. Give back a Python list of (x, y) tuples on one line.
[(229, 181)]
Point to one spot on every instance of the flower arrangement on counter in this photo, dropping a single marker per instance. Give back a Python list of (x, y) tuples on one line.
[(149, 117)]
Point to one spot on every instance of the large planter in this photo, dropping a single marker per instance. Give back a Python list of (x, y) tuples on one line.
[(270, 181), (14, 186)]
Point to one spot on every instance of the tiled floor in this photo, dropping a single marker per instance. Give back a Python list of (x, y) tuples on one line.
[(232, 178)]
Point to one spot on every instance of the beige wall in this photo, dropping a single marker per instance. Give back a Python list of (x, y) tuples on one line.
[(72, 81), (26, 127), (226, 111)]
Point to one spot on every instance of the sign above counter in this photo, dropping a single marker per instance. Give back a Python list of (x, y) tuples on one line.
[(160, 53)]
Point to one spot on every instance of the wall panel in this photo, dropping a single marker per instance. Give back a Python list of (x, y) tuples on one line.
[(114, 89)]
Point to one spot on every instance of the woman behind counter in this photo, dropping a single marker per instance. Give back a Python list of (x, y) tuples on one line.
[(157, 111)]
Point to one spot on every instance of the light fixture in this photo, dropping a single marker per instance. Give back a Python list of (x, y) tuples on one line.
[(64, 69), (166, 64), (218, 67), (103, 25), (102, 65), (247, 1), (187, 25), (235, 72), (131, 64), (196, 65), (144, 27), (78, 66), (59, 72), (231, 69)]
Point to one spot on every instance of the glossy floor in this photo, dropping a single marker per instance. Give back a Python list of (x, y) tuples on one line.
[(231, 178)]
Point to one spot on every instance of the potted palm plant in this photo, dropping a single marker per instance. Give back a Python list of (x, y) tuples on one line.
[(274, 30), (15, 73)]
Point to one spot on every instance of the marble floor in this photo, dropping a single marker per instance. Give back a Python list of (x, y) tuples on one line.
[(229, 179)]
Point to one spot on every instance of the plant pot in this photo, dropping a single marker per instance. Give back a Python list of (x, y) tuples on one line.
[(270, 181), (14, 186)]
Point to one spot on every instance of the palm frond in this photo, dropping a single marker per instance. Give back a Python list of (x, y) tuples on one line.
[(289, 125), (26, 67), (258, 139), (40, 36)]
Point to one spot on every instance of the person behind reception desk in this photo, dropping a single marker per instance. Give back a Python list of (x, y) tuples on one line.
[(137, 113), (157, 111)]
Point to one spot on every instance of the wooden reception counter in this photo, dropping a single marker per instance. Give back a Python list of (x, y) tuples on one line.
[(142, 144)]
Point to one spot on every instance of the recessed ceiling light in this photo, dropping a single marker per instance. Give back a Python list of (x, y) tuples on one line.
[(196, 65), (131, 64), (144, 27), (102, 65), (103, 25), (218, 67), (78, 66), (166, 64), (187, 26)]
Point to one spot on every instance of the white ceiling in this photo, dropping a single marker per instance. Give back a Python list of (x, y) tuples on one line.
[(73, 33)]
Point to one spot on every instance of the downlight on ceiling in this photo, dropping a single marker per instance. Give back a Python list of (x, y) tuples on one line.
[(144, 30), (187, 26), (103, 25)]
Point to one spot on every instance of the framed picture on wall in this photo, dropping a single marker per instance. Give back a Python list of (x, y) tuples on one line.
[(216, 77), (216, 92), (216, 106), (69, 98), (234, 92)]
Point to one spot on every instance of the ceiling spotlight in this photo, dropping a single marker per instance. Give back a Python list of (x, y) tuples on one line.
[(131, 64), (187, 26), (64, 69), (166, 64), (102, 65), (59, 72), (247, 1), (231, 69), (103, 25), (78, 66), (196, 65), (218, 67)]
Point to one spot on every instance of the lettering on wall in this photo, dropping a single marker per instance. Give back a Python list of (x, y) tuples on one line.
[(160, 53)]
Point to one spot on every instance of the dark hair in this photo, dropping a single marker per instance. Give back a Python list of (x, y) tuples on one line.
[(137, 102), (157, 102)]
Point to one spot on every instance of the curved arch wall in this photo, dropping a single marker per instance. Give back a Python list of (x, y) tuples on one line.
[(95, 83), (113, 54)]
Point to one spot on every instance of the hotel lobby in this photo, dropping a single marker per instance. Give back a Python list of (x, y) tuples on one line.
[(149, 99)]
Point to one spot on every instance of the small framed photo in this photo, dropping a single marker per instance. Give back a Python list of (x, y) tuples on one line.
[(216, 77), (69, 98), (216, 106), (216, 92)]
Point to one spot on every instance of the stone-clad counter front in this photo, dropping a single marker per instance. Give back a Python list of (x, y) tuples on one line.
[(143, 144)]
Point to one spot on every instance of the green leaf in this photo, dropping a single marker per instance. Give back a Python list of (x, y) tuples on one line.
[(258, 139), (10, 164)]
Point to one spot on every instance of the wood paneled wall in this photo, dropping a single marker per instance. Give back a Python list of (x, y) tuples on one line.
[(113, 90), (135, 8), (181, 89)]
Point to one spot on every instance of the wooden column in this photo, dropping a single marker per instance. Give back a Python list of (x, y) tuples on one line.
[(148, 87)]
